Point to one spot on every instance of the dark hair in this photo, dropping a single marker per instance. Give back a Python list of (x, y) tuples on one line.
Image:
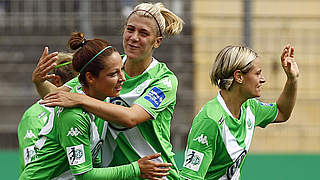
[(87, 49), (64, 71)]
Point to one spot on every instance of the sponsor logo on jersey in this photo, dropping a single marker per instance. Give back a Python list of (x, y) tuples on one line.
[(41, 114), (119, 101), (155, 96), (60, 109), (266, 104), (221, 120), (167, 82), (234, 169), (29, 135), (193, 160), (29, 154), (76, 155), (201, 139), (74, 132)]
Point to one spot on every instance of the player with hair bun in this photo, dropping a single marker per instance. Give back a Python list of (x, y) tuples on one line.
[(141, 125), (71, 140)]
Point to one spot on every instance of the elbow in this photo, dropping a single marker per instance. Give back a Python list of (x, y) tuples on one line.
[(129, 122)]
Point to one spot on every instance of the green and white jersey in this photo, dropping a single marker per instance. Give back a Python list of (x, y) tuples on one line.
[(68, 140), (218, 142), (155, 91), (32, 121)]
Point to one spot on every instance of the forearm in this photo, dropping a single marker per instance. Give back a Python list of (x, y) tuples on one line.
[(45, 88), (287, 99), (128, 171), (121, 115)]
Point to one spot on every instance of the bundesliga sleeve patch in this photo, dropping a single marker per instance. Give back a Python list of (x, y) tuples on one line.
[(193, 160), (155, 96), (76, 155)]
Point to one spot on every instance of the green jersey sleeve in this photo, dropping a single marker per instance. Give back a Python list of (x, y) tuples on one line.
[(265, 113), (159, 95), (123, 172), (73, 129), (72, 83), (201, 148)]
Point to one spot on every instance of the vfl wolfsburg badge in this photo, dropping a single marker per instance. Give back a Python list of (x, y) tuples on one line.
[(193, 160)]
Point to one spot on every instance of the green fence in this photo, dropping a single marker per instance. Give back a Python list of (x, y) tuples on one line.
[(256, 167)]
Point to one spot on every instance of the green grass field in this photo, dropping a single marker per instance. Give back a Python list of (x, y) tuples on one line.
[(256, 167)]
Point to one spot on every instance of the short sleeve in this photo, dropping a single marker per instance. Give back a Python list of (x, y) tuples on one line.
[(159, 95), (265, 113), (200, 148), (73, 132)]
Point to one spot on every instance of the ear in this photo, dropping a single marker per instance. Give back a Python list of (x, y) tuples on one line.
[(157, 42), (90, 78), (57, 81), (238, 76)]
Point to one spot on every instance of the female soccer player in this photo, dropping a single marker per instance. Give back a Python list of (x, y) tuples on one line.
[(147, 97), (36, 116), (222, 131), (73, 138)]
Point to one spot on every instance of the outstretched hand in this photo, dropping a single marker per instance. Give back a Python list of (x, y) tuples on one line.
[(62, 98), (288, 63), (45, 65), (153, 170)]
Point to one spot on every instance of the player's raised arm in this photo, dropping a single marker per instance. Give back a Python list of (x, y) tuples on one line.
[(287, 98)]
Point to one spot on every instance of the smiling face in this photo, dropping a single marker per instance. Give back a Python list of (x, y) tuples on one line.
[(253, 80), (109, 81), (140, 37)]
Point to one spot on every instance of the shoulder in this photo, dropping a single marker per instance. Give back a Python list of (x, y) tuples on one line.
[(71, 114), (210, 113)]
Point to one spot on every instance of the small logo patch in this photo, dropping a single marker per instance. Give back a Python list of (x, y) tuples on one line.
[(76, 154), (167, 82), (201, 139), (266, 104), (193, 160), (29, 135), (155, 96), (29, 154), (74, 132)]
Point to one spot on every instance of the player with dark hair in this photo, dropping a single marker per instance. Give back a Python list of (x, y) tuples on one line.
[(148, 95), (72, 139)]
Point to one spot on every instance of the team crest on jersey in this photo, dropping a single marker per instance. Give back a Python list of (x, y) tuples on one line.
[(249, 123), (76, 155), (74, 132), (29, 154), (29, 135), (201, 139), (155, 96), (193, 160)]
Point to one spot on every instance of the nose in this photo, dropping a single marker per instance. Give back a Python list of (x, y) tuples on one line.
[(262, 79), (122, 77), (134, 36)]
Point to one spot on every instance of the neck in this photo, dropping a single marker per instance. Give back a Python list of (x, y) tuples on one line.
[(90, 92), (135, 67), (233, 100)]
